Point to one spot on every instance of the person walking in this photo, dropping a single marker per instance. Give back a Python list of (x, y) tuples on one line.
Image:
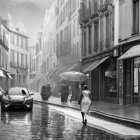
[(85, 102)]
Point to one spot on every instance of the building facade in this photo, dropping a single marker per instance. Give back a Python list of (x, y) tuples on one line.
[(68, 40), (31, 68), (39, 61), (67, 33), (129, 51), (18, 54), (98, 59), (4, 48), (49, 46)]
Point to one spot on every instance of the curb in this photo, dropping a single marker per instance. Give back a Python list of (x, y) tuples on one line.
[(103, 115)]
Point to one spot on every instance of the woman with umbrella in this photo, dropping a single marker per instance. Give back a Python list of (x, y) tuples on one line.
[(85, 102)]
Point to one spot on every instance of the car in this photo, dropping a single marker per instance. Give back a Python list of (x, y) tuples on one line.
[(17, 98)]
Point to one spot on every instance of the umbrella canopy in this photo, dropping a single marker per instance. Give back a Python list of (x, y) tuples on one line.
[(73, 76)]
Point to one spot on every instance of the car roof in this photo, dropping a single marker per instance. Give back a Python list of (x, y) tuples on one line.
[(18, 88)]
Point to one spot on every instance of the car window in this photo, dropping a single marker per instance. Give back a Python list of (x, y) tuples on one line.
[(18, 91)]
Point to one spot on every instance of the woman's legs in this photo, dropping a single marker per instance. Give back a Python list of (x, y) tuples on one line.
[(83, 116)]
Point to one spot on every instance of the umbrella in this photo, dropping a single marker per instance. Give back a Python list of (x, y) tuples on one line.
[(73, 76)]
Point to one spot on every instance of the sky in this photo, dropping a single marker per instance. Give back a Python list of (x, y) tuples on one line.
[(30, 12)]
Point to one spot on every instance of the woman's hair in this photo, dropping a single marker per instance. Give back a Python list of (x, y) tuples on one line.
[(85, 87)]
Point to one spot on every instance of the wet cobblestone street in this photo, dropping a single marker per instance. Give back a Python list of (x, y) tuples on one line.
[(45, 123)]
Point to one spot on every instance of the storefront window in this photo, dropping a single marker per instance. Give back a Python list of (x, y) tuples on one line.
[(110, 81), (136, 79)]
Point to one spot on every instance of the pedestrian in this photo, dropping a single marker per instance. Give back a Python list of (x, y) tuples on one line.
[(85, 102)]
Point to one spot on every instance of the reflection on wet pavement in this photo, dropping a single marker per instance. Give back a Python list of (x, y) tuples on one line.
[(47, 124)]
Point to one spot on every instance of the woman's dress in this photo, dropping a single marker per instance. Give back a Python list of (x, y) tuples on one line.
[(85, 102)]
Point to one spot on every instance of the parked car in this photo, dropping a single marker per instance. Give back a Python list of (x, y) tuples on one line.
[(17, 98)]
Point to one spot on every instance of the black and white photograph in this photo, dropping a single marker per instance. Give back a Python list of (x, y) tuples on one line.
[(69, 69)]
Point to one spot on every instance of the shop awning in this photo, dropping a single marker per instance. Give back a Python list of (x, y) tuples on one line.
[(93, 65), (133, 52), (75, 67), (70, 67), (9, 75), (2, 74)]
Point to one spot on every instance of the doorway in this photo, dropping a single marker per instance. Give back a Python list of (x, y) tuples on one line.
[(132, 81)]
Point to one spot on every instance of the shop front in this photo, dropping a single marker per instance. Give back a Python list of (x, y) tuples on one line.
[(129, 76), (102, 78), (74, 90)]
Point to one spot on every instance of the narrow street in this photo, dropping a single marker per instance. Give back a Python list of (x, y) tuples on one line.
[(49, 122)]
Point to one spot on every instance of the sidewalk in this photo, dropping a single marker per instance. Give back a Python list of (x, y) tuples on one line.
[(128, 114)]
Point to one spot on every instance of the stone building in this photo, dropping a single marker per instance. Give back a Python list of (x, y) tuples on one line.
[(4, 48), (49, 60), (129, 52), (68, 39), (18, 53), (98, 59)]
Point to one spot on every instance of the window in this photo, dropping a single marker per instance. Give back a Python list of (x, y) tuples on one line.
[(26, 47), (17, 58), (12, 56), (22, 60), (107, 31), (3, 57), (90, 39), (0, 57), (136, 79), (24, 79), (17, 40), (74, 28), (135, 16), (26, 60), (96, 29), (6, 59), (101, 34), (110, 80), (21, 42), (84, 42)]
